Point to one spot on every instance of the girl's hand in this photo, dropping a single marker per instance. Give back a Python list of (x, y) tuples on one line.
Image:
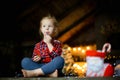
[(48, 39), (36, 58)]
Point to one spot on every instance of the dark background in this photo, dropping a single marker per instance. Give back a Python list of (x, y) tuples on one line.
[(20, 24)]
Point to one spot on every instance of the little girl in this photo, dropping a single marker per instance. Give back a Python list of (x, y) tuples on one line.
[(46, 59)]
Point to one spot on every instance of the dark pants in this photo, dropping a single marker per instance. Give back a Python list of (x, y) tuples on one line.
[(47, 68)]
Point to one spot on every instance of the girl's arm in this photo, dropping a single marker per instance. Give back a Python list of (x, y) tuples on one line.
[(36, 53)]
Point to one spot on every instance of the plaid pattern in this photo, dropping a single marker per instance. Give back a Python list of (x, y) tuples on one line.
[(41, 49)]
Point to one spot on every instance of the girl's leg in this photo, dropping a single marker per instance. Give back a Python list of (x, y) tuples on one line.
[(47, 69), (56, 64), (28, 64), (31, 68)]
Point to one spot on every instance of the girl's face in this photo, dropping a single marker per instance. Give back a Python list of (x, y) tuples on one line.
[(47, 27)]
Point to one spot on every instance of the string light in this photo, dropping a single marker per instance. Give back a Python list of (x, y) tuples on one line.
[(88, 48), (74, 49), (83, 51), (80, 68), (69, 48), (79, 48)]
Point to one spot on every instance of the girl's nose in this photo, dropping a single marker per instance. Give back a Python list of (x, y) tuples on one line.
[(47, 28)]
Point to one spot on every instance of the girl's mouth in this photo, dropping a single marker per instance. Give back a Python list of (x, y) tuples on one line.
[(47, 32)]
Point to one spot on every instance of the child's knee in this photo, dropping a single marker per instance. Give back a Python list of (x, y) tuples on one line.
[(25, 61), (61, 59)]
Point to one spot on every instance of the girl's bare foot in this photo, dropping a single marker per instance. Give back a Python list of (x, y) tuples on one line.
[(54, 74), (32, 73), (25, 73), (28, 73)]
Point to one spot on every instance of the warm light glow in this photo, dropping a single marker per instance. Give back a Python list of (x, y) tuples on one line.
[(74, 65), (69, 48), (85, 65), (79, 48), (74, 49), (113, 56), (83, 70), (80, 68), (83, 51), (88, 48)]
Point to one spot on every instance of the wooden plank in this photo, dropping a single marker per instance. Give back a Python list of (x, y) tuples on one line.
[(64, 78), (75, 29), (76, 15)]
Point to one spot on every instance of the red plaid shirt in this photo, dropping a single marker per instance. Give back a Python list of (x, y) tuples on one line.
[(41, 49)]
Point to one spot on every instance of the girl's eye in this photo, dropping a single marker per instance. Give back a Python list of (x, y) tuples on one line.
[(43, 25)]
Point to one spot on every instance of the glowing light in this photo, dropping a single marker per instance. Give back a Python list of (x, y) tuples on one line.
[(75, 65), (85, 65), (113, 56), (79, 67), (83, 51), (69, 48), (83, 70), (88, 48), (74, 49), (79, 48)]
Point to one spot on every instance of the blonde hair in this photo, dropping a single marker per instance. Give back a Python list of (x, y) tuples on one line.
[(55, 22), (50, 17)]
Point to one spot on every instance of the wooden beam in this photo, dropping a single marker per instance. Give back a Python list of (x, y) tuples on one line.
[(76, 15), (76, 29)]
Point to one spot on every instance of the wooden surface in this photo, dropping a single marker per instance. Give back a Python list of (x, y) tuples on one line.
[(63, 78)]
